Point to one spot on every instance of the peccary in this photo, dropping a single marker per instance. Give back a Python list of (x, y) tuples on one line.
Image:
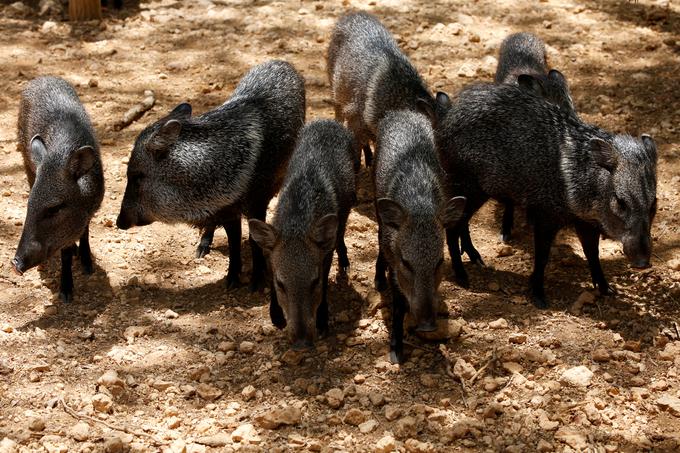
[(207, 170), (501, 142), (118, 4), (522, 61), (413, 213), (369, 76), (309, 224), (64, 171)]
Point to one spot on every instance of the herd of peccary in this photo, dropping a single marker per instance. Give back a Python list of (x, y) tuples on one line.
[(435, 161)]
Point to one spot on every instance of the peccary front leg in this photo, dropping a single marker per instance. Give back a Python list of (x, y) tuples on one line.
[(380, 281), (467, 247), (398, 313), (343, 259), (452, 241), (85, 252), (275, 310), (368, 155), (206, 241), (257, 279), (544, 235), (589, 236), (508, 221), (322, 311), (233, 229), (66, 283)]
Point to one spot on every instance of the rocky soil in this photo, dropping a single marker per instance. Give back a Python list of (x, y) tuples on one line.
[(154, 354)]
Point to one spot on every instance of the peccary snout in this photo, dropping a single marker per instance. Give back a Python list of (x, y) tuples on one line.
[(29, 254), (638, 250)]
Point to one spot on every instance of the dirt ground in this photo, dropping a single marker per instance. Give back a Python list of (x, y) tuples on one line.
[(155, 354)]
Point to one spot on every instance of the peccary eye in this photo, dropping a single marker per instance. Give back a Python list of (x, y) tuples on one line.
[(52, 211)]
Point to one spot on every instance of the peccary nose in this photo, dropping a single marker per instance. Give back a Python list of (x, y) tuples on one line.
[(18, 266), (302, 345), (429, 325)]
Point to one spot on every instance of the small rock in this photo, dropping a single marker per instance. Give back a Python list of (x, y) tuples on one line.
[(512, 367), (500, 323), (572, 437), (292, 358), (601, 355), (102, 402), (376, 398), (546, 424), (115, 445), (335, 397), (217, 440), (368, 426), (674, 264), (248, 392), (112, 382), (7, 445), (208, 392), (632, 345), (133, 332), (36, 424), (174, 422), (392, 412), (93, 83), (579, 376), (354, 417), (226, 346), (467, 70), (659, 386), (416, 446), (505, 250), (80, 431), (48, 26), (171, 314), (446, 329), (359, 379), (386, 444), (428, 380), (494, 286), (247, 347), (474, 37), (517, 338), (245, 433), (544, 446), (40, 366), (7, 328), (669, 403), (274, 418), (463, 370), (406, 427), (50, 310)]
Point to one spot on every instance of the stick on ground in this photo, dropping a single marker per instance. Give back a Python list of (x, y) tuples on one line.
[(136, 111)]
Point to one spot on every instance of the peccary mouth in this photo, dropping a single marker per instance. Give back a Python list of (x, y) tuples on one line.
[(17, 267)]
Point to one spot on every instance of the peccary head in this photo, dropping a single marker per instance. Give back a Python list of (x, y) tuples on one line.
[(57, 213), (413, 245), (553, 87), (297, 265), (627, 188), (149, 186)]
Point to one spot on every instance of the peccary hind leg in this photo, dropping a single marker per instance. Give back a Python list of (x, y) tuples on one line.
[(544, 235), (508, 222), (589, 236), (398, 313), (233, 229), (84, 252), (206, 241), (66, 282), (343, 260), (257, 279)]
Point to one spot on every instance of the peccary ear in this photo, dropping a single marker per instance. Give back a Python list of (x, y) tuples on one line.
[(38, 150), (263, 234), (531, 84), (453, 211), (443, 100), (325, 232), (181, 111), (390, 212), (650, 146), (603, 153), (425, 107), (164, 138), (558, 77), (81, 161)]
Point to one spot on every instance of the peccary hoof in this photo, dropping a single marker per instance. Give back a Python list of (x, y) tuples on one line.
[(202, 250), (462, 280), (233, 281), (396, 356), (605, 290), (66, 297), (380, 284), (505, 237), (87, 266), (539, 302)]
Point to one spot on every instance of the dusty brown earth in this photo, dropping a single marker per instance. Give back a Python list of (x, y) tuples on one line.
[(155, 354)]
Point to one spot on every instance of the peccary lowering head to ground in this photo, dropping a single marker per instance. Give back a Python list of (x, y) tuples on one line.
[(64, 170), (413, 213), (369, 76), (207, 170), (500, 142), (309, 224)]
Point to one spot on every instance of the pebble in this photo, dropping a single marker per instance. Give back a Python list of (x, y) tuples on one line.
[(335, 397), (670, 403), (500, 323), (466, 70), (446, 329), (36, 424), (429, 380), (292, 358), (174, 422), (416, 446), (354, 417), (114, 445), (405, 427), (392, 412), (376, 398), (216, 440), (674, 264), (601, 355), (659, 386), (359, 379), (112, 382), (80, 431), (7, 445), (463, 369), (247, 347), (226, 346), (506, 250), (544, 446), (386, 444), (368, 426), (579, 376), (245, 433), (7, 328), (494, 286), (248, 392), (50, 310), (517, 338), (102, 402), (208, 392), (572, 437), (171, 314), (272, 419)]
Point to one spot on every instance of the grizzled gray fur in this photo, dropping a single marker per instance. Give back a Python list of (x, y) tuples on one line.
[(309, 224), (209, 169), (64, 170), (498, 141), (413, 213), (370, 76)]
